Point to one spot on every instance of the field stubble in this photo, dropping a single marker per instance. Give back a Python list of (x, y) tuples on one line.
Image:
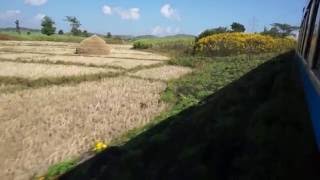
[(44, 126)]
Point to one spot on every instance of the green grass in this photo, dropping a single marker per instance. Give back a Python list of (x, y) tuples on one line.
[(172, 46), (34, 36), (60, 168)]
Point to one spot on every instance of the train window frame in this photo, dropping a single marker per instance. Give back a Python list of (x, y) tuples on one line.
[(305, 32), (301, 36), (311, 14), (312, 45)]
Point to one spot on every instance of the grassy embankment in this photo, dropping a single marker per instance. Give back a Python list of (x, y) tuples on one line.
[(254, 128)]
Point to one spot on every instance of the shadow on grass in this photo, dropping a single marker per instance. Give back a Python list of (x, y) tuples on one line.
[(257, 127)]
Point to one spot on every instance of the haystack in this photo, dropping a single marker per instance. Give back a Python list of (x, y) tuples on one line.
[(93, 45)]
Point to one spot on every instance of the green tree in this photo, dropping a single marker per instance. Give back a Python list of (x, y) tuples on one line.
[(47, 26), (17, 26), (210, 32), (280, 30), (237, 27), (60, 32), (85, 33), (109, 35), (74, 24)]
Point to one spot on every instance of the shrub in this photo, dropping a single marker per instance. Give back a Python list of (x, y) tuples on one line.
[(141, 45), (60, 32), (241, 43), (210, 32), (172, 46)]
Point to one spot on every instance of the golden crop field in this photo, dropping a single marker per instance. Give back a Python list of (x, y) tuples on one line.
[(89, 60), (35, 71), (162, 73), (45, 122)]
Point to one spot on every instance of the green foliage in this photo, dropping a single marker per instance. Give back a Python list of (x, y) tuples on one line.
[(60, 32), (74, 24), (237, 27), (17, 26), (109, 35), (280, 30), (85, 33), (210, 75), (210, 32), (47, 26), (142, 45), (28, 33), (60, 168), (168, 45)]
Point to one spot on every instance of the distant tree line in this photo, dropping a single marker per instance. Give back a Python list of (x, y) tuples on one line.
[(48, 27), (276, 30)]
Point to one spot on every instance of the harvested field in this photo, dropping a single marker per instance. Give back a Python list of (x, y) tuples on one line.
[(162, 73), (44, 126), (35, 71), (54, 104), (38, 49), (36, 43), (117, 51), (85, 60)]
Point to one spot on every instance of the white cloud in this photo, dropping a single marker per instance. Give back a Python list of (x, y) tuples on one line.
[(10, 14), (35, 2), (164, 31), (107, 10), (169, 12), (126, 14), (39, 17)]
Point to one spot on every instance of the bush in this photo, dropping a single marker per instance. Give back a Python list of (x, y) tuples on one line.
[(171, 46), (240, 43), (141, 45), (210, 32)]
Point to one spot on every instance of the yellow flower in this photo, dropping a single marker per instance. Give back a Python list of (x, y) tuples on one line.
[(42, 178), (99, 146)]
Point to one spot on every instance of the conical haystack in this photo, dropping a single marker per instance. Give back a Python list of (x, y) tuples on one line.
[(93, 45)]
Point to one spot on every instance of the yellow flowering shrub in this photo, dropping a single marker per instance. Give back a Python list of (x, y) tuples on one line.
[(242, 43), (99, 146)]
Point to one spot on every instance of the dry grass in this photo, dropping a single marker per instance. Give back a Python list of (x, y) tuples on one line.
[(35, 71), (39, 49), (117, 51), (44, 126), (85, 60), (162, 73), (37, 43)]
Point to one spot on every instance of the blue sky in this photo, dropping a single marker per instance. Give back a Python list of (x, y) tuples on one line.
[(158, 17)]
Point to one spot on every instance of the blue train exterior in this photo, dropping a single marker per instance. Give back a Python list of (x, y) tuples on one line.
[(308, 51)]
